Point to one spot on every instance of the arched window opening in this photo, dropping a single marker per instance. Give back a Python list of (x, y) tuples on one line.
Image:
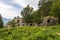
[(48, 21)]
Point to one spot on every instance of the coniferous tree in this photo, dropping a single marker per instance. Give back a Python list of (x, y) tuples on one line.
[(1, 22)]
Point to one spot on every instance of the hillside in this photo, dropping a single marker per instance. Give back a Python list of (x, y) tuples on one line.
[(31, 33)]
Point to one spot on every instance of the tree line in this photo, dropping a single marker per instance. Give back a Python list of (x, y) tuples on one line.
[(45, 8)]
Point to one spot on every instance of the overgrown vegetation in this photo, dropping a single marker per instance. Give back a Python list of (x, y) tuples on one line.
[(31, 33)]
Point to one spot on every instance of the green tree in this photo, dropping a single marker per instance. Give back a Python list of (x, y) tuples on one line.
[(1, 22), (36, 17), (45, 7), (27, 14), (55, 10), (44, 10)]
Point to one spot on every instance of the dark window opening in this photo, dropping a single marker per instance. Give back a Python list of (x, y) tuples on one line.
[(48, 21), (30, 24), (18, 21)]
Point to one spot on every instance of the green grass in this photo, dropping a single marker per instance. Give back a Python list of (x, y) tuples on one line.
[(31, 33)]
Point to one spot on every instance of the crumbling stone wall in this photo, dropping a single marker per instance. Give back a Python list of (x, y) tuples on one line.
[(49, 20)]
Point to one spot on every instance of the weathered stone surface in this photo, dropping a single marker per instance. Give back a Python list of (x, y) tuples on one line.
[(49, 20)]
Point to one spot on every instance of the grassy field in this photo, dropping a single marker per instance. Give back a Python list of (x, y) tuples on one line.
[(31, 33)]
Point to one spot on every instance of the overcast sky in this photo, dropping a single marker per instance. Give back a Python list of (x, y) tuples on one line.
[(11, 8)]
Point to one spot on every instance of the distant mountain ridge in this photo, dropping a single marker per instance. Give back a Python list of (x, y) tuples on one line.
[(5, 20)]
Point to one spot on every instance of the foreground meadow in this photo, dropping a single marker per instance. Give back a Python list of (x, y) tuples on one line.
[(31, 33)]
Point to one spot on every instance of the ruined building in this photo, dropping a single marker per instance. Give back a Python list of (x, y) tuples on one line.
[(49, 20), (18, 21)]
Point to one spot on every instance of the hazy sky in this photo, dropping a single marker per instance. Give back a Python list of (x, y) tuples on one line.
[(12, 8)]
